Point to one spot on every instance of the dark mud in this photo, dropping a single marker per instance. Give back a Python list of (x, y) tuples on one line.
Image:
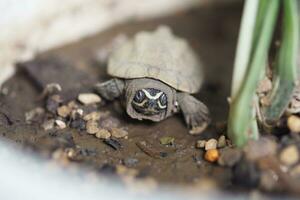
[(212, 32)]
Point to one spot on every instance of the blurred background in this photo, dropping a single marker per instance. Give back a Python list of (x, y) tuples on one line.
[(33, 26)]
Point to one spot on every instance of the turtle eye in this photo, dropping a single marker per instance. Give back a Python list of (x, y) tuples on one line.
[(139, 96), (163, 99)]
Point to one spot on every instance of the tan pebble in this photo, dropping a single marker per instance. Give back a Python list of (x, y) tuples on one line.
[(206, 184), (76, 113), (229, 143), (56, 98), (103, 134), (34, 113), (200, 144), (60, 124), (92, 127), (63, 111), (294, 105), (167, 140), (119, 133), (60, 156), (289, 155), (295, 171), (71, 153), (221, 141), (125, 171), (57, 154), (264, 85), (265, 101), (88, 98), (212, 155), (257, 149), (268, 180), (211, 144), (72, 105), (229, 157), (94, 116), (293, 123), (48, 125), (52, 88)]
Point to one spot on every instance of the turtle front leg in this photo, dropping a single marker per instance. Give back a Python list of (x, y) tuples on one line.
[(196, 114), (110, 89)]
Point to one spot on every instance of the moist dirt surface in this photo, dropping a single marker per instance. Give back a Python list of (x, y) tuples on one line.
[(212, 32)]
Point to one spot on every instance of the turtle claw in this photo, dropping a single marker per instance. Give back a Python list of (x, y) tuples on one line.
[(196, 114), (198, 129), (197, 122)]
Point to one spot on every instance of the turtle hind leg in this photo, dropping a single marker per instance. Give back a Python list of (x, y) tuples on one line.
[(196, 114), (110, 89)]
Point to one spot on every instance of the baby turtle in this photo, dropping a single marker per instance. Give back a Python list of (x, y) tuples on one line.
[(156, 73)]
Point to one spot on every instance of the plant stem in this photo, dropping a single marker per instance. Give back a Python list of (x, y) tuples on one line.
[(242, 105), (243, 49)]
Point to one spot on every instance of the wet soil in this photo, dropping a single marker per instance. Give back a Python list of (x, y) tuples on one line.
[(212, 32)]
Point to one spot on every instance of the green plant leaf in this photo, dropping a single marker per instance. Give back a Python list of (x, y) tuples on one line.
[(285, 71)]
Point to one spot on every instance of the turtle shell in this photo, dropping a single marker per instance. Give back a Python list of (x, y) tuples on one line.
[(159, 55)]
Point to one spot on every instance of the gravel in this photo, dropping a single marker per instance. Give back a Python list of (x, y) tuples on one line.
[(88, 98)]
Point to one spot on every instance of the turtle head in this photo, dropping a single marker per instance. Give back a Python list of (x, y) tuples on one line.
[(150, 101)]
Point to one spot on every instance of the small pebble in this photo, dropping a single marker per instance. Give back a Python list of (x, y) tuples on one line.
[(63, 111), (60, 156), (229, 157), (125, 171), (293, 123), (119, 133), (115, 144), (211, 155), (200, 144), (52, 88), (75, 114), (289, 155), (92, 127), (246, 174), (211, 144), (256, 149), (163, 154), (295, 171), (34, 113), (94, 116), (130, 162), (268, 180), (72, 105), (108, 169), (71, 153), (89, 98), (110, 122), (264, 85), (103, 134), (265, 101), (78, 124), (52, 103), (88, 152), (167, 140), (222, 141), (60, 124), (48, 125)]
